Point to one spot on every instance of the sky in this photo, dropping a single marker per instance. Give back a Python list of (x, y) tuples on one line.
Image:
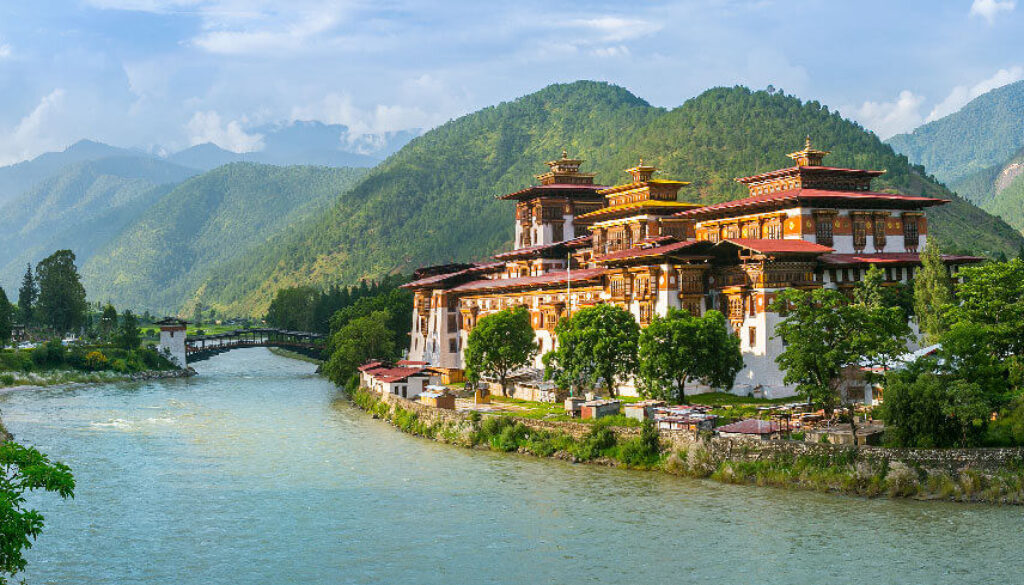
[(162, 75)]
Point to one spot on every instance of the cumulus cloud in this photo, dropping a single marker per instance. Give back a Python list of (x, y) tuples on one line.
[(290, 36), (339, 108), (889, 118), (208, 127), (34, 133), (963, 94), (615, 29), (990, 9)]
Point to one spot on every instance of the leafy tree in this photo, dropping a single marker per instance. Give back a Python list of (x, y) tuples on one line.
[(924, 409), (62, 302), (108, 320), (933, 292), (27, 295), (681, 347), (990, 297), (6, 319), (25, 469), (597, 343), (499, 344), (128, 336), (356, 342)]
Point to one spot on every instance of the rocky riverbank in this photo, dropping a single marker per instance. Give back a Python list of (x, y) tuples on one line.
[(17, 380), (961, 475)]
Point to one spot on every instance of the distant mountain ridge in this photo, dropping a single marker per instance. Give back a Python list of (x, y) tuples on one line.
[(433, 201)]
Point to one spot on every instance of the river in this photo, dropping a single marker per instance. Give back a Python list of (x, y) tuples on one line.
[(257, 471)]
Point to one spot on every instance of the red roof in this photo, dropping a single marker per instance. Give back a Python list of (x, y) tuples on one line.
[(795, 197), (808, 170), (901, 258), (369, 366), (751, 426), (550, 278), (644, 252), (779, 246), (389, 375), (554, 190), (440, 279), (410, 363)]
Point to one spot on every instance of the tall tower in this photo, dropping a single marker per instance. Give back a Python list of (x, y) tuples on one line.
[(172, 340)]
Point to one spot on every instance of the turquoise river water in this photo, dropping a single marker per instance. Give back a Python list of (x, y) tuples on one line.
[(258, 471)]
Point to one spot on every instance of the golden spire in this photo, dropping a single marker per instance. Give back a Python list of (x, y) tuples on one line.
[(808, 157), (642, 173)]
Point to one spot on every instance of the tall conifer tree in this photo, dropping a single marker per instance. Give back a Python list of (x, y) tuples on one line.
[(27, 295), (933, 291)]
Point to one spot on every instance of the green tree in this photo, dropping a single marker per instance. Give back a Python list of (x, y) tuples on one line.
[(598, 343), (680, 347), (128, 336), (499, 344), (924, 409), (933, 292), (990, 297), (27, 295), (108, 320), (25, 469), (356, 342), (62, 302), (6, 319)]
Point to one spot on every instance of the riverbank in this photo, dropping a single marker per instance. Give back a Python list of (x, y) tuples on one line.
[(960, 475), (294, 355), (18, 380)]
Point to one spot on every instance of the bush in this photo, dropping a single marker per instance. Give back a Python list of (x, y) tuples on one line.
[(7, 379), (596, 443), (50, 354), (16, 361), (95, 360), (642, 451)]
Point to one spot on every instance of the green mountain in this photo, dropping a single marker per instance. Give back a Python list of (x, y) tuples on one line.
[(81, 206), (161, 258), (433, 201), (998, 189), (986, 132)]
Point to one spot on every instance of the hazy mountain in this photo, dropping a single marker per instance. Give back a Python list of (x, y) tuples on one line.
[(164, 255), (17, 178), (80, 206), (302, 143), (433, 201), (998, 189), (987, 132)]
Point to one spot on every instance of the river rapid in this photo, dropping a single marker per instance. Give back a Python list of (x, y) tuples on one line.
[(259, 471)]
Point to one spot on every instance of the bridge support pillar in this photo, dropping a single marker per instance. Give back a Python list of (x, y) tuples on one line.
[(172, 340)]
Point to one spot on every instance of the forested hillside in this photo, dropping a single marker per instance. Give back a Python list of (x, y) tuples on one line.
[(433, 201), (80, 207), (988, 131), (162, 258)]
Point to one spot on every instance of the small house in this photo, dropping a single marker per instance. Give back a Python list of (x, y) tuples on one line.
[(573, 404), (407, 382), (751, 428), (642, 410), (437, 397), (595, 409)]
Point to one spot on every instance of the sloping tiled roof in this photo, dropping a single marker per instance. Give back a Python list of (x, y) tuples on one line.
[(647, 251), (439, 279), (810, 170), (369, 366), (550, 278), (779, 246), (751, 426), (389, 375), (554, 189), (890, 259), (638, 206), (797, 196)]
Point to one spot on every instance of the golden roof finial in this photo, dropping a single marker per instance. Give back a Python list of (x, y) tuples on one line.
[(565, 153), (807, 142)]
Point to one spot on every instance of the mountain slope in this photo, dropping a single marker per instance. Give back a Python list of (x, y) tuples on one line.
[(81, 207), (18, 178), (159, 259), (986, 132), (433, 201)]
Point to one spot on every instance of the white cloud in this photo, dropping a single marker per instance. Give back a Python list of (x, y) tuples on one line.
[(990, 9), (889, 118), (290, 37), (208, 127), (34, 133), (614, 51), (614, 29), (338, 108), (5, 51), (963, 94)]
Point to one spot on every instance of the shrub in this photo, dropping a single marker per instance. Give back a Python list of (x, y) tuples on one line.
[(50, 354), (95, 360), (642, 451), (120, 366), (16, 361), (596, 443), (7, 379)]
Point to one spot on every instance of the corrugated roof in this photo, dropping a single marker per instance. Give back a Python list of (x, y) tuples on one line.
[(796, 196), (779, 246), (555, 188), (550, 278), (751, 426)]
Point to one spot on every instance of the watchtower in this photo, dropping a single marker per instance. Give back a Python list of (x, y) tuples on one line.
[(172, 340)]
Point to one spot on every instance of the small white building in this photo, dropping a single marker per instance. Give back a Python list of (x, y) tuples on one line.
[(172, 340), (405, 381)]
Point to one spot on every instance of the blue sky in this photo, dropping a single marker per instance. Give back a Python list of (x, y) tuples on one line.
[(166, 74)]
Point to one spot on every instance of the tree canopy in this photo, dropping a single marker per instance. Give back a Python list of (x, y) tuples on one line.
[(62, 303), (499, 344), (596, 344), (680, 347)]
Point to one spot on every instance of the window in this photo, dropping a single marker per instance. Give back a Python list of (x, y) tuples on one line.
[(879, 229), (910, 234), (557, 232), (618, 287), (775, 230), (860, 232), (453, 322), (752, 332), (823, 230), (453, 345), (752, 302)]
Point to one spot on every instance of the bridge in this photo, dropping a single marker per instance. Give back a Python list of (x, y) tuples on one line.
[(201, 347)]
